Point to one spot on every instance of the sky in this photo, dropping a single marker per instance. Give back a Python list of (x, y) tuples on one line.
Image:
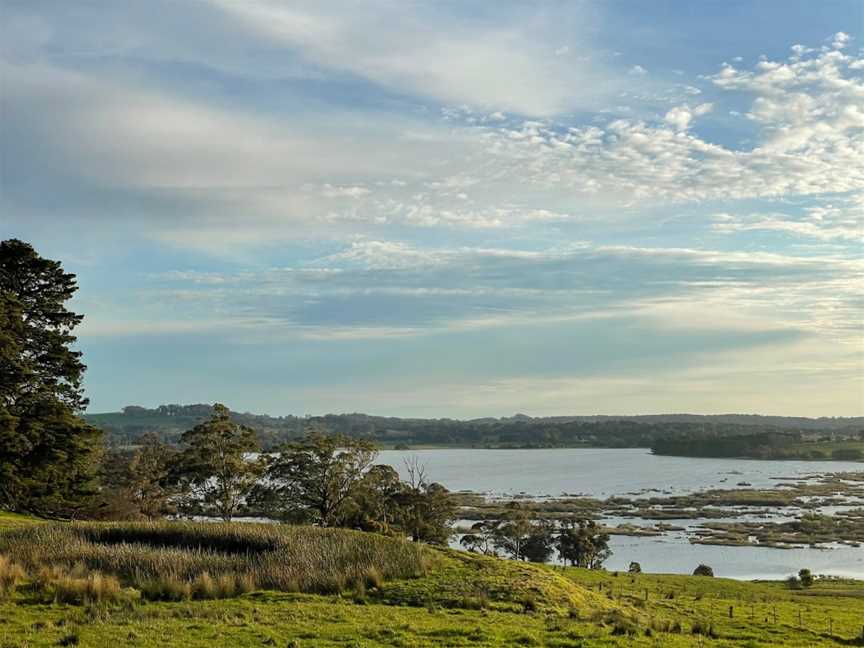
[(448, 209)]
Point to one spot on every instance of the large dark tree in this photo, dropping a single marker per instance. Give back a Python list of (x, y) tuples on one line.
[(48, 455)]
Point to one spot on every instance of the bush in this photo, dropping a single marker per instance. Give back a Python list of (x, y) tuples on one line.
[(635, 568), (805, 577), (703, 628), (703, 570)]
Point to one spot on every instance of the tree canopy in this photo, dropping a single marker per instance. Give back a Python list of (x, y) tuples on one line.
[(48, 454), (214, 469)]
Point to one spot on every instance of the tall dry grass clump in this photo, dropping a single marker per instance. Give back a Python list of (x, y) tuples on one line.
[(181, 560), (80, 586), (11, 575)]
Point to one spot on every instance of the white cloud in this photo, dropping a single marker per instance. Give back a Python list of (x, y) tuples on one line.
[(330, 191), (840, 40), (210, 167), (681, 116), (502, 66), (395, 285)]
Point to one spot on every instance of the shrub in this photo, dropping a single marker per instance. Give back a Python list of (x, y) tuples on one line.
[(703, 570), (793, 583), (529, 603), (805, 577), (635, 568), (703, 628)]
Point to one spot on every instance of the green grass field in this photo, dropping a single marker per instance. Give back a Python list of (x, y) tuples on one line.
[(458, 600)]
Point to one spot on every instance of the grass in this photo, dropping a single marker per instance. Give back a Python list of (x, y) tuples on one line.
[(17, 520), (149, 556), (458, 599)]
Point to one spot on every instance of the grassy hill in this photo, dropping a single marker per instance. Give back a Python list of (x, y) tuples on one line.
[(392, 593)]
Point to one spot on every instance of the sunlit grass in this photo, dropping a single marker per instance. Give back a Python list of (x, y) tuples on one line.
[(217, 560)]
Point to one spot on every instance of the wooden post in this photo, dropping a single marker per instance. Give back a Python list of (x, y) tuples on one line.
[(730, 611), (799, 617)]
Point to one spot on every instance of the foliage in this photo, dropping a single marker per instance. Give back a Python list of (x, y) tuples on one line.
[(169, 421), (847, 454), (703, 570), (481, 538), (805, 577), (634, 568), (330, 481), (214, 470), (513, 530), (313, 478), (582, 544), (48, 455), (426, 509), (138, 483), (375, 502)]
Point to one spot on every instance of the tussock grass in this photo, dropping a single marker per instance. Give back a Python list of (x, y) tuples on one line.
[(181, 560), (81, 588), (11, 575)]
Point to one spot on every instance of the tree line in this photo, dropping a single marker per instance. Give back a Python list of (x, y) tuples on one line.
[(763, 445), (518, 535), (320, 479), (170, 421)]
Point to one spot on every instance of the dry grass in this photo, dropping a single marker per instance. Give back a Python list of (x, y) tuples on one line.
[(11, 575), (80, 586), (182, 560)]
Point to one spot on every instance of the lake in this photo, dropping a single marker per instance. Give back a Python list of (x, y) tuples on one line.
[(634, 472)]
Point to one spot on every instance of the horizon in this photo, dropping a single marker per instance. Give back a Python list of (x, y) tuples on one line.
[(490, 416), (449, 209)]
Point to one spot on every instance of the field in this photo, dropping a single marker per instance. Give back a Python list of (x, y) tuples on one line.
[(388, 593)]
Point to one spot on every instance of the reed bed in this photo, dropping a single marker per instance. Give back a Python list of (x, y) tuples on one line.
[(178, 560)]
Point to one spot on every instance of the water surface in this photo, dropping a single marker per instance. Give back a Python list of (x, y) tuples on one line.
[(599, 472), (635, 472)]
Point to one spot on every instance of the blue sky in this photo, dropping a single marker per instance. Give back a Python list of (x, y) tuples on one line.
[(448, 208)]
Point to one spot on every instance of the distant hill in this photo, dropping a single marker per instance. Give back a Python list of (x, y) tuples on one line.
[(170, 421)]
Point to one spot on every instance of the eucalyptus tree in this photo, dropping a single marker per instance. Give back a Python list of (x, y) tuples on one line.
[(215, 469)]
